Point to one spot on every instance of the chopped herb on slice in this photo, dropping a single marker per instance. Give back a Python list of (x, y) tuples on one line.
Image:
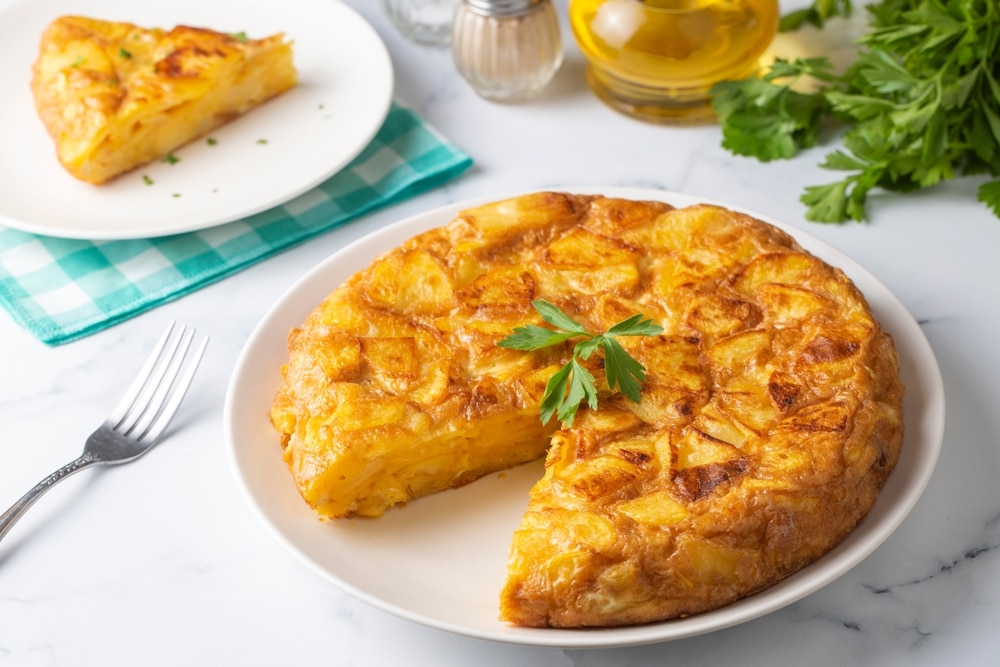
[(77, 62), (170, 158), (147, 180), (240, 36), (211, 141), (124, 53)]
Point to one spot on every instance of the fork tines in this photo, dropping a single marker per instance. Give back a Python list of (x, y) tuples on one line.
[(154, 396)]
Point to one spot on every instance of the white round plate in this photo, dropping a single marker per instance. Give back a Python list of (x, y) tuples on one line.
[(441, 559), (266, 157)]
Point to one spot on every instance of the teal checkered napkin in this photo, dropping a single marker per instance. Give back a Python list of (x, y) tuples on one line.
[(63, 289)]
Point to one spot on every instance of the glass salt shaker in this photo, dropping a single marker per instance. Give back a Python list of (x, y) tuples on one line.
[(508, 50), (427, 22)]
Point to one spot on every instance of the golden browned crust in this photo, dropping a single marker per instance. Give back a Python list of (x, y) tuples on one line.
[(771, 417), (114, 96)]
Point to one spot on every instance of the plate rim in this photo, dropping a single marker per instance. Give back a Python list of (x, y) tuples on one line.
[(816, 575), (379, 103)]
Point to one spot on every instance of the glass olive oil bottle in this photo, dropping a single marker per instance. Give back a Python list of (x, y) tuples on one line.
[(657, 59)]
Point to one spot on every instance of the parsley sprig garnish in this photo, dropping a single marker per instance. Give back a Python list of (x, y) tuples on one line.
[(573, 383), (921, 104)]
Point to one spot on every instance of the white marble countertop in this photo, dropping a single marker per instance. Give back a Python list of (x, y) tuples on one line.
[(163, 563)]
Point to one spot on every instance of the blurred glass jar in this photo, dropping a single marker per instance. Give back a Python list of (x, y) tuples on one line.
[(426, 22), (657, 59), (508, 50)]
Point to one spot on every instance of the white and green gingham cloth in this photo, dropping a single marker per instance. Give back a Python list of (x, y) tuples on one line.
[(63, 289)]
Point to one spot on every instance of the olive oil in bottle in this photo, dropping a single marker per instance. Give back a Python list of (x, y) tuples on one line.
[(657, 59)]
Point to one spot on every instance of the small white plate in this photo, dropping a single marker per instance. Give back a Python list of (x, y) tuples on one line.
[(311, 132), (441, 559)]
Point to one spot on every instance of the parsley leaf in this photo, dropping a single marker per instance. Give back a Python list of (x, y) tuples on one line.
[(637, 325), (827, 203), (532, 337), (989, 194), (622, 370), (573, 384), (581, 387), (557, 318)]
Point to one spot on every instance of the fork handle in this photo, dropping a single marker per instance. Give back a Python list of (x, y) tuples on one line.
[(10, 517)]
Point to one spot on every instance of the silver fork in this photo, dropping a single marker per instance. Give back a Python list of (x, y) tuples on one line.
[(138, 420)]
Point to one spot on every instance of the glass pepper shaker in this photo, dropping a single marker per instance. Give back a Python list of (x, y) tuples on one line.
[(508, 50)]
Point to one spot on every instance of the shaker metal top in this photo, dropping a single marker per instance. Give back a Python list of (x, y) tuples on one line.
[(501, 7)]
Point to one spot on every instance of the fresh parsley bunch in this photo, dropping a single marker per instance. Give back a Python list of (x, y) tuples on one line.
[(573, 383), (921, 103)]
